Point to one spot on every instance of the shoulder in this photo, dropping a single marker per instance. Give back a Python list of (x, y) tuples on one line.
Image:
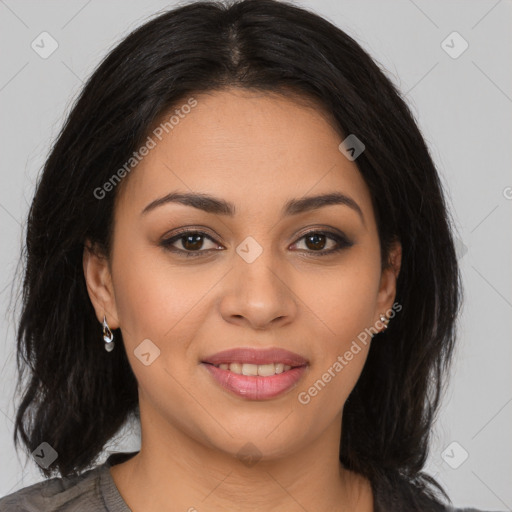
[(451, 509), (67, 494), (400, 494)]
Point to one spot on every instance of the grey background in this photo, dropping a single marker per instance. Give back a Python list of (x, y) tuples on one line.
[(463, 106)]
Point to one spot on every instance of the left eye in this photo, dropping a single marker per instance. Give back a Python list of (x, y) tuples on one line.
[(316, 240), (192, 242)]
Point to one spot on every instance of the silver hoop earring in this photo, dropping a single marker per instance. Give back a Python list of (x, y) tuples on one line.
[(385, 320), (108, 337)]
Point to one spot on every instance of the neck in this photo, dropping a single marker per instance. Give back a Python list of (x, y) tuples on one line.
[(182, 473)]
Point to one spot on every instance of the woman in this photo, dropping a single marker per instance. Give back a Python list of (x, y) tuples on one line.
[(242, 210)]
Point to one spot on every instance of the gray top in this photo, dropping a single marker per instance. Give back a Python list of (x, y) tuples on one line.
[(93, 490)]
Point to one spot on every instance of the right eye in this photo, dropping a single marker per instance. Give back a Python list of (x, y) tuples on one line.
[(190, 240)]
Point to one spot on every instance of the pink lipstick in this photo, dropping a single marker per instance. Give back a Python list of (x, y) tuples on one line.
[(256, 374)]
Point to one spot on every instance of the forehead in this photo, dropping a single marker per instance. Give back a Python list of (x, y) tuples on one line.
[(254, 149)]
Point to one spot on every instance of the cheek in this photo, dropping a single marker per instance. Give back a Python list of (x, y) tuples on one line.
[(340, 301), (161, 302), (343, 306), (337, 369), (155, 296)]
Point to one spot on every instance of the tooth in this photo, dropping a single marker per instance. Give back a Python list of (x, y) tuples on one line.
[(249, 369), (263, 370), (266, 370), (235, 368)]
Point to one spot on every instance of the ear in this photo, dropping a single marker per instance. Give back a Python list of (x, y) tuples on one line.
[(99, 284), (387, 288)]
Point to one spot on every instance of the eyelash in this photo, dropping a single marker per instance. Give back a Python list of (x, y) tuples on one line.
[(342, 242)]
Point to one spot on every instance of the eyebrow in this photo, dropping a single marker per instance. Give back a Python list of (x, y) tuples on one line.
[(211, 204)]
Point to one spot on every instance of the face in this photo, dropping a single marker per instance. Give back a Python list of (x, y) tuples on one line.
[(303, 279)]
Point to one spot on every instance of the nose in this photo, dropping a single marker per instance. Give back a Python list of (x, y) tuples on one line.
[(259, 293)]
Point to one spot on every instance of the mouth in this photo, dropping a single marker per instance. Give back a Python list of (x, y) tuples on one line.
[(249, 369), (256, 374), (250, 361), (256, 387)]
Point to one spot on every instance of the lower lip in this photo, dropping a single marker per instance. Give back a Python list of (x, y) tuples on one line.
[(254, 387)]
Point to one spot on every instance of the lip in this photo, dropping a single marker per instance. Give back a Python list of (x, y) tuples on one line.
[(254, 387), (256, 356)]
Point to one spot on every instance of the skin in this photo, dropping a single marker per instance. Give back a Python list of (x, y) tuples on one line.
[(256, 150)]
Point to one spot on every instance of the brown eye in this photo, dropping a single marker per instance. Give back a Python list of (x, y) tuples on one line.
[(316, 241), (191, 243)]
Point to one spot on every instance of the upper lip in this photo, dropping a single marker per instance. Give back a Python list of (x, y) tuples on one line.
[(256, 356)]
